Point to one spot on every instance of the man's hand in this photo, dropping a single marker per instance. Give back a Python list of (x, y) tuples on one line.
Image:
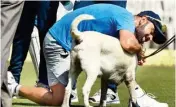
[(140, 56)]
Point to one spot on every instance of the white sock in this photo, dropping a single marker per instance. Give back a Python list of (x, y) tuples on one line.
[(17, 89)]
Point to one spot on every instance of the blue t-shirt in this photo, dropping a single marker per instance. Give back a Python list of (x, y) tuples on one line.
[(109, 19)]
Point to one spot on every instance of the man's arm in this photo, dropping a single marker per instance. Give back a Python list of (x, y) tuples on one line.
[(129, 42)]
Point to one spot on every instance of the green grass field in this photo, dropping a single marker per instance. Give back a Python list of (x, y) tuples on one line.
[(159, 81)]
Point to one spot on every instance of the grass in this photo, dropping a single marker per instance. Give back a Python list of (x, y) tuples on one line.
[(159, 81)]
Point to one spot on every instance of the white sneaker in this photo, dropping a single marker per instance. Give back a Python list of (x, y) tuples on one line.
[(146, 99), (18, 97), (112, 98), (74, 96), (12, 84)]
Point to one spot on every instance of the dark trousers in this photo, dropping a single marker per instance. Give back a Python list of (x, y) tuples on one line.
[(22, 38), (48, 18), (10, 15), (79, 4), (43, 15)]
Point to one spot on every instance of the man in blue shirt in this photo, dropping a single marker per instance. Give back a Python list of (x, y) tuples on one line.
[(125, 21), (113, 20), (112, 94)]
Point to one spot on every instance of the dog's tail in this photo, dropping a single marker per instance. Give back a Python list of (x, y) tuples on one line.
[(74, 26)]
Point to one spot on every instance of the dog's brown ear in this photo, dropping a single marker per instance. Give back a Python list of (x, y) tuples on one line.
[(72, 33), (78, 40)]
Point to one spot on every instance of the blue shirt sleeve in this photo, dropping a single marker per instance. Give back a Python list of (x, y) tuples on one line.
[(125, 22)]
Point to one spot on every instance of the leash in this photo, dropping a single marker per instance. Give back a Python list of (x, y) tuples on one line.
[(167, 43)]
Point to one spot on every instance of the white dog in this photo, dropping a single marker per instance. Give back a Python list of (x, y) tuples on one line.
[(99, 54)]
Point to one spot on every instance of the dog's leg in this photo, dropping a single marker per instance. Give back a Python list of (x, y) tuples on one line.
[(131, 83), (91, 65), (104, 87), (68, 90), (91, 78), (72, 77), (131, 87)]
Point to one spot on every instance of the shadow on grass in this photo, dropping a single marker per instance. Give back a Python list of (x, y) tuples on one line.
[(29, 104), (80, 106), (25, 104), (76, 106)]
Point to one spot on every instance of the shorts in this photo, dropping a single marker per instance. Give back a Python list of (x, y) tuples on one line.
[(57, 61)]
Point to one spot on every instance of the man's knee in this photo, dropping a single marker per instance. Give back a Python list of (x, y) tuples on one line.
[(57, 102), (58, 91)]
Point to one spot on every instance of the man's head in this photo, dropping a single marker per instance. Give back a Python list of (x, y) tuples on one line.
[(149, 27)]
